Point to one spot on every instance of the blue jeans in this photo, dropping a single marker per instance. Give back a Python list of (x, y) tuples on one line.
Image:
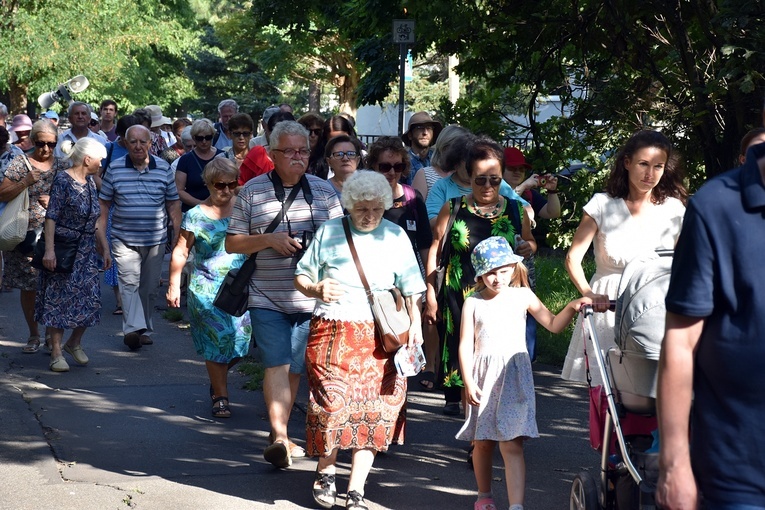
[(281, 337), (708, 505)]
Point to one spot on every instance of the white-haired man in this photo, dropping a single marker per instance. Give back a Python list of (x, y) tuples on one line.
[(79, 118), (226, 109), (279, 313)]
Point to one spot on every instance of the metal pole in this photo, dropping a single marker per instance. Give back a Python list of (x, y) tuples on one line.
[(401, 72)]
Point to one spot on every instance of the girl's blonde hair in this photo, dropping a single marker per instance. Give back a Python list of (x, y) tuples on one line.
[(520, 278)]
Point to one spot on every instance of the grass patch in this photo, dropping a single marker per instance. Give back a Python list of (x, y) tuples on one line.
[(254, 371), (173, 315), (555, 290)]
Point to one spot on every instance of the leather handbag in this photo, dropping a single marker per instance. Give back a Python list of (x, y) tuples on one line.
[(391, 315), (66, 249), (234, 293)]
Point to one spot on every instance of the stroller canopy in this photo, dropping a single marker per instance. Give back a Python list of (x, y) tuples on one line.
[(640, 311)]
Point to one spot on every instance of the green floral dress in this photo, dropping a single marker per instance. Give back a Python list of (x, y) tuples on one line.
[(218, 336), (467, 231)]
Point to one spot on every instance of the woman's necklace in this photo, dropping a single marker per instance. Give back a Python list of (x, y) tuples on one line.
[(489, 214)]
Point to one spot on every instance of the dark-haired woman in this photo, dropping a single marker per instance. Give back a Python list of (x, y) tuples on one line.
[(641, 211), (333, 126)]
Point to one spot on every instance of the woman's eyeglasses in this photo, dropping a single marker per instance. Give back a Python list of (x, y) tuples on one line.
[(494, 180), (240, 134), (203, 138), (223, 185), (343, 154), (386, 167), (50, 145)]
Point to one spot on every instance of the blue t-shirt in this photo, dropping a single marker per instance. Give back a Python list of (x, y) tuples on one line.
[(445, 189), (717, 274)]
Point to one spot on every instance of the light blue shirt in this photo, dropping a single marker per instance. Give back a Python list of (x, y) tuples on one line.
[(445, 189)]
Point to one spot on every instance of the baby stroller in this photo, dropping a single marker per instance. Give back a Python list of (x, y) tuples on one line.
[(629, 457)]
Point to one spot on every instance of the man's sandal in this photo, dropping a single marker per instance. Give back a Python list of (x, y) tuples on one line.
[(220, 408), (33, 345)]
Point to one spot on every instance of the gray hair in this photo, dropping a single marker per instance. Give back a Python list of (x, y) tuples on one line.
[(43, 126), (366, 185), (228, 103), (3, 110), (73, 104), (289, 128), (186, 134), (445, 138), (86, 147), (217, 168), (202, 127)]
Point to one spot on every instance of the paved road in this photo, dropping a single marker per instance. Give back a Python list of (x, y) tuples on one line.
[(133, 430)]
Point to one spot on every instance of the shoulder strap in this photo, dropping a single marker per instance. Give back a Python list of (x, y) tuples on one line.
[(455, 202), (355, 255), (409, 200)]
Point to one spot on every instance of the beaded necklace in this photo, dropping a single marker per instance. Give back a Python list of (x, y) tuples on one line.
[(489, 214)]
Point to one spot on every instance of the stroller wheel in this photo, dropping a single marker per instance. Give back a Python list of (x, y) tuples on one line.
[(584, 493)]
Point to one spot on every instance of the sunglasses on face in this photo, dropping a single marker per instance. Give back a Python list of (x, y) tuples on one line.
[(223, 185), (240, 134), (494, 180), (93, 122), (50, 145), (203, 138), (343, 154), (386, 167), (316, 132)]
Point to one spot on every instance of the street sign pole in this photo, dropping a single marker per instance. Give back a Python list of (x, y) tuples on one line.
[(403, 34)]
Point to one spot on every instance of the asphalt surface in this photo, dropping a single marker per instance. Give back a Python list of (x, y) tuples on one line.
[(134, 430)]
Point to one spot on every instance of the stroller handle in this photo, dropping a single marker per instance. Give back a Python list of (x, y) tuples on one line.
[(588, 311)]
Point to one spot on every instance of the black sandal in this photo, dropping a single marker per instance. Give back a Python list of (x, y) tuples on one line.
[(355, 500), (326, 494), (220, 408)]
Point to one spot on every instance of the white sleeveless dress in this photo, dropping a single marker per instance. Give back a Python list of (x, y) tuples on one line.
[(502, 369)]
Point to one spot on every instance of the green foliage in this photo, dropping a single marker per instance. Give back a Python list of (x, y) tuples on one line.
[(254, 370), (555, 290)]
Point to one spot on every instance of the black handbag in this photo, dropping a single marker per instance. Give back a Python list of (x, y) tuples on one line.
[(233, 293), (66, 248)]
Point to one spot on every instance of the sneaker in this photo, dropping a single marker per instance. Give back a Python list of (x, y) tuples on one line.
[(485, 504)]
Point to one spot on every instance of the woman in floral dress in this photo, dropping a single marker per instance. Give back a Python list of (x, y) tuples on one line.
[(219, 337), (34, 173), (482, 214)]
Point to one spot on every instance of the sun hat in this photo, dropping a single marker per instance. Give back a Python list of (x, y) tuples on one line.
[(93, 116), (50, 114), (514, 157), (419, 119), (492, 253), (157, 119), (21, 122)]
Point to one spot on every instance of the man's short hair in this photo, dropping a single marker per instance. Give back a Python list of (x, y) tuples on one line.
[(228, 103), (107, 102), (75, 104), (287, 128)]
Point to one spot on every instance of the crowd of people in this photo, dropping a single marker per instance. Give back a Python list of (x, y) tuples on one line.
[(441, 214)]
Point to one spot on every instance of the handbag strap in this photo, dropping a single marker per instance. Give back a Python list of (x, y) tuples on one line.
[(452, 217), (355, 255)]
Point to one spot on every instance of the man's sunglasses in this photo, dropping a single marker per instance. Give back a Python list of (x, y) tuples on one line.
[(223, 185), (494, 180)]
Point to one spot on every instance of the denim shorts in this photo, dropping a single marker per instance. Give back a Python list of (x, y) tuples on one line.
[(281, 337)]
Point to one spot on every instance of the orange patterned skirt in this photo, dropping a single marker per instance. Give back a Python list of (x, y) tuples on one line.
[(356, 397)]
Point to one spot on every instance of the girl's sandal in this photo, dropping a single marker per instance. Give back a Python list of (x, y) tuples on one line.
[(33, 345), (220, 408), (485, 504)]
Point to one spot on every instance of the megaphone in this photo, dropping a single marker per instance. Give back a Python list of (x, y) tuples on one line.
[(75, 86)]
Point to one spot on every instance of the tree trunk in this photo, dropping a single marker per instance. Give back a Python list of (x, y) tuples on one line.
[(347, 90), (314, 97), (18, 97)]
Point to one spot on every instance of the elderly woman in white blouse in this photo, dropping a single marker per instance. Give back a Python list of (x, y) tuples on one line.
[(355, 393)]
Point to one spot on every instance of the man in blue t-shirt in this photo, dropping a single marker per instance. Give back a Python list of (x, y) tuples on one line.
[(711, 396)]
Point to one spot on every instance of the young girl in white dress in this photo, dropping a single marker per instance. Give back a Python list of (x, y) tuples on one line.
[(496, 367)]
